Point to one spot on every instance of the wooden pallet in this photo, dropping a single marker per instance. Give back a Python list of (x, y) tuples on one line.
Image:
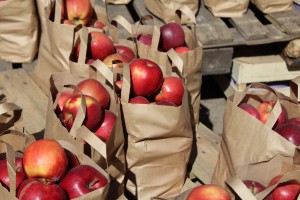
[(220, 36)]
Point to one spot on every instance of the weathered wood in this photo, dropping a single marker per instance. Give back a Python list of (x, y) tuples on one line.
[(210, 29), (287, 21), (249, 26), (217, 60), (20, 89), (261, 69)]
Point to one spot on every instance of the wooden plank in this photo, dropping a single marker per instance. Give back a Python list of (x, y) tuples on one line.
[(210, 29), (208, 145), (261, 69), (249, 26), (20, 89), (287, 21), (217, 61)]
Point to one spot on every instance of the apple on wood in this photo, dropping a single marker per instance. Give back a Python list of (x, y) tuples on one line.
[(79, 11), (146, 77), (289, 131), (250, 109), (172, 89), (106, 127), (45, 159), (81, 180), (37, 189), (208, 192), (99, 46), (139, 100), (94, 111), (172, 36), (20, 174), (92, 87)]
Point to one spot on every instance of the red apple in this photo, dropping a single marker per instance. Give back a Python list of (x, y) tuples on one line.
[(81, 180), (250, 109), (293, 120), (105, 128), (72, 159), (79, 11), (181, 49), (36, 189), (68, 22), (95, 89), (208, 192), (139, 100), (146, 77), (94, 111), (99, 46), (126, 51), (109, 60), (65, 95), (45, 159), (145, 39), (265, 108), (4, 177), (254, 186), (291, 132), (172, 89), (172, 36), (166, 102), (94, 23), (287, 190)]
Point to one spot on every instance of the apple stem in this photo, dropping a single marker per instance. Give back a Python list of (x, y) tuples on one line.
[(93, 183)]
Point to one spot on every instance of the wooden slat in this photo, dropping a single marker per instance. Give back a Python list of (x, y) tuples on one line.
[(210, 29), (287, 21), (249, 26), (20, 89)]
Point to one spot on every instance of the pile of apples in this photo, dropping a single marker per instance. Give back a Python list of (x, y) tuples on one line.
[(99, 119), (289, 128), (172, 36), (149, 85), (286, 190), (48, 171), (75, 12)]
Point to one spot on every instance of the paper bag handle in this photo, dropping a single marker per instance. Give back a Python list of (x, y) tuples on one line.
[(155, 33), (187, 11), (10, 155), (294, 89), (125, 92), (28, 138), (175, 58), (7, 107), (238, 97), (124, 23)]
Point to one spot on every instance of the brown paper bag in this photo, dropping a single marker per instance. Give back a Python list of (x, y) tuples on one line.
[(250, 147), (159, 142), (12, 149), (192, 60), (166, 10), (109, 155), (78, 67), (240, 189), (10, 117), (227, 8), (273, 6), (19, 30), (57, 42)]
